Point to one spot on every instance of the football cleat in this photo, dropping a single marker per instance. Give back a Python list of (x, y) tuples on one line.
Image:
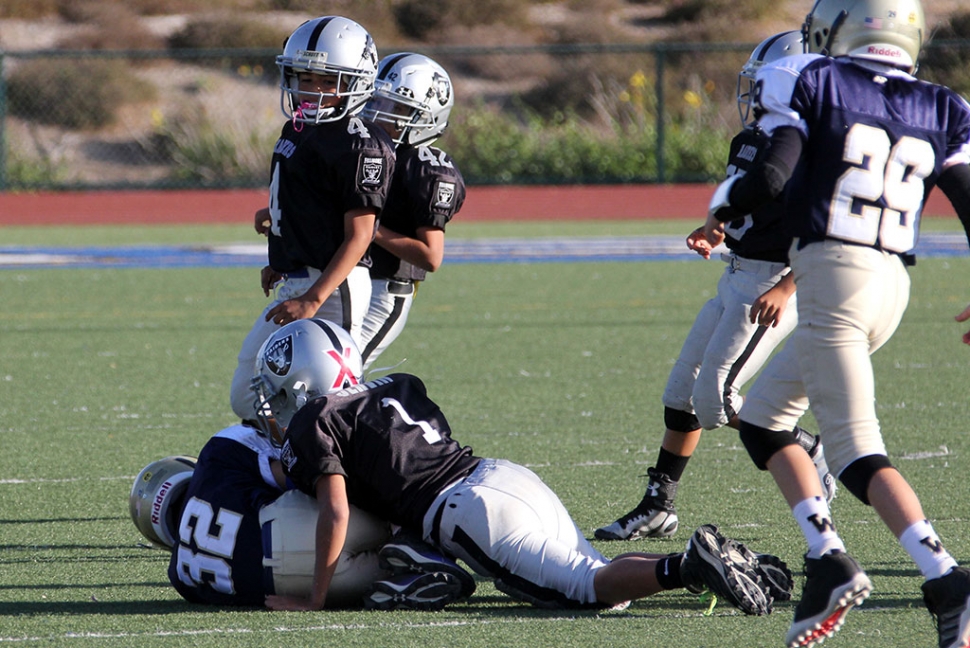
[(834, 584), (653, 517), (948, 600), (725, 567), (429, 592), (405, 553), (775, 576)]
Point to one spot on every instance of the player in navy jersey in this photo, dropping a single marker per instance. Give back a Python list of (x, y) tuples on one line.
[(733, 334), (413, 98), (236, 534), (860, 143), (385, 447), (329, 179)]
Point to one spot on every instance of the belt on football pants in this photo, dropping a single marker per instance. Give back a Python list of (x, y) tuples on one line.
[(302, 273), (754, 266), (396, 287)]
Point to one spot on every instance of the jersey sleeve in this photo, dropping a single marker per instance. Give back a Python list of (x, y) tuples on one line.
[(308, 452), (958, 144), (369, 166), (775, 88)]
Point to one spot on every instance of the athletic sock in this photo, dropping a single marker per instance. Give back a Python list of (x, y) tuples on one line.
[(671, 465), (815, 520), (923, 545)]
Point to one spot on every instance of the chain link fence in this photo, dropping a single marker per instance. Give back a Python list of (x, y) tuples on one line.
[(539, 114)]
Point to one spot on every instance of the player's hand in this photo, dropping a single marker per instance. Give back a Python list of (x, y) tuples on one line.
[(963, 317), (262, 222), (768, 309), (288, 603), (697, 242), (268, 278), (713, 231), (291, 310)]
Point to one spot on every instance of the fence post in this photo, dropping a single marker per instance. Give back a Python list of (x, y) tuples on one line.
[(3, 127), (661, 61)]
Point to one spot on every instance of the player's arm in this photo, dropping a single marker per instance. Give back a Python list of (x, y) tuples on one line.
[(426, 250), (358, 234), (333, 519), (954, 182), (763, 183)]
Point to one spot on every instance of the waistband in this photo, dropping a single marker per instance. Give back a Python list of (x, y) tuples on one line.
[(754, 266)]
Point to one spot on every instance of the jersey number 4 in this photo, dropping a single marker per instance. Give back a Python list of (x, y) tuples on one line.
[(880, 172)]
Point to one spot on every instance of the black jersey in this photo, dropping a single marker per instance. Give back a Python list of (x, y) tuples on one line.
[(427, 191), (219, 556), (764, 234), (387, 438), (319, 173)]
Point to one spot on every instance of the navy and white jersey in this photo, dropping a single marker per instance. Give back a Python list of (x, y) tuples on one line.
[(219, 556), (877, 135), (390, 441), (319, 173), (764, 234), (427, 191)]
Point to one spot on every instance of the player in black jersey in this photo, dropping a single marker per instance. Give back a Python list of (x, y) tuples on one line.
[(857, 144), (330, 175), (385, 447), (413, 98), (733, 334)]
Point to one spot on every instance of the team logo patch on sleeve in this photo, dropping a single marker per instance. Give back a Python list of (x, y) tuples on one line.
[(371, 173), (444, 195)]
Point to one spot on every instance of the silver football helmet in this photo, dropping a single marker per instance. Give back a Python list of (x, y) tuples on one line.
[(301, 361), (888, 31), (330, 45), (156, 497), (770, 49), (414, 96)]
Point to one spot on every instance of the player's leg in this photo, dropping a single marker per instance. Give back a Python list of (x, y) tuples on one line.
[(289, 552), (654, 515), (241, 397), (386, 317)]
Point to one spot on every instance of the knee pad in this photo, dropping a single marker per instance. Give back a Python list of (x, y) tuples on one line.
[(858, 474), (762, 443), (680, 421)]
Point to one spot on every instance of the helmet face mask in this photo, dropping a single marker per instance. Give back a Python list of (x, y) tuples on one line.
[(771, 49), (886, 31), (413, 98), (156, 498), (301, 361), (334, 46)]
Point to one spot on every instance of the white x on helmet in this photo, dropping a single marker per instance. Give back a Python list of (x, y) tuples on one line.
[(887, 31), (770, 49), (156, 496), (301, 361), (330, 45), (414, 95)]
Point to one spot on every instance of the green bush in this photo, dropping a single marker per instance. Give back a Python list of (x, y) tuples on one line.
[(76, 94)]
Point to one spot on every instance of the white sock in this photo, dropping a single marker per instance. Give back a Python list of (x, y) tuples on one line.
[(815, 520), (923, 545)]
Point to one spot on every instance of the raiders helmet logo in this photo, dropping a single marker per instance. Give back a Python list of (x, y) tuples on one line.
[(445, 195), (372, 171), (287, 456), (279, 356), (442, 89)]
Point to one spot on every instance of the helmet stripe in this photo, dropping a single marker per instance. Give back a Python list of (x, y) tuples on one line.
[(390, 62), (767, 45), (334, 340), (317, 30)]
